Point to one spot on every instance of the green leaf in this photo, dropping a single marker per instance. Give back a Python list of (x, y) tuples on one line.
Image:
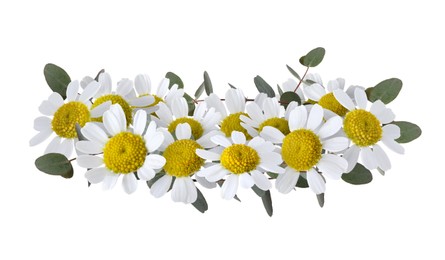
[(190, 103), (408, 131), (272, 175), (57, 78), (207, 84), (386, 90), (320, 198), (258, 191), (293, 72), (313, 58), (267, 202), (368, 92), (232, 86), (288, 97), (174, 79), (280, 91), (200, 203), (358, 176), (199, 91), (98, 74), (55, 164), (302, 183), (263, 86)]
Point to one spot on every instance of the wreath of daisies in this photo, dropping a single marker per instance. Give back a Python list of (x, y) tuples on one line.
[(302, 136)]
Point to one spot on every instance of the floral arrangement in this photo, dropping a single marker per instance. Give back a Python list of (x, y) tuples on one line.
[(298, 137)]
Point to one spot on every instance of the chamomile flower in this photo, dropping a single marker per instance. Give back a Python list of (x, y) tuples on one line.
[(163, 94), (302, 149), (60, 117), (202, 122), (243, 161), (325, 97), (182, 163), (123, 153), (366, 129)]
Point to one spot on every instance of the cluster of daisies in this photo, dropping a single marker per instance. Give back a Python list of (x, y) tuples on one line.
[(134, 134)]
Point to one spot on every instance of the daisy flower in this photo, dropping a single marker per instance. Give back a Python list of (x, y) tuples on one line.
[(366, 129), (302, 149), (142, 85), (123, 153), (244, 163), (60, 117), (202, 122), (182, 163)]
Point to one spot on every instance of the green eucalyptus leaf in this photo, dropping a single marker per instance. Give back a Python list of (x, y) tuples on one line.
[(288, 97), (263, 86), (98, 74), (272, 175), (386, 90), (199, 91), (293, 72), (55, 164), (313, 58), (267, 202), (368, 92), (258, 191), (408, 131), (200, 203), (174, 79), (208, 84), (190, 103), (358, 176), (57, 78), (280, 91), (302, 183), (320, 198), (231, 86)]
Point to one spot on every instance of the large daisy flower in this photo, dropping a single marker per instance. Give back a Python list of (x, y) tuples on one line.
[(302, 149), (366, 129), (182, 163), (244, 163), (142, 85), (60, 117), (202, 122), (123, 153)]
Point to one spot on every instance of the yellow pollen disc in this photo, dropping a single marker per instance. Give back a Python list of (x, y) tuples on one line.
[(181, 158), (279, 123), (240, 158), (157, 100), (329, 101), (197, 129), (125, 153), (66, 117), (362, 127), (115, 99), (301, 149), (233, 123)]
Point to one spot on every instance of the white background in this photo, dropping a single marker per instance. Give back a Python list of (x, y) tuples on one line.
[(396, 216)]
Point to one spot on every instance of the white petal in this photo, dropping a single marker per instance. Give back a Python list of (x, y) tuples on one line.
[(316, 182), (315, 91), (72, 90), (368, 158), (256, 141), (85, 81), (255, 113), (161, 186), (139, 122), (377, 107), (164, 113), (205, 183), (183, 131), (153, 142), (192, 192), (315, 117), (289, 85), (129, 183), (344, 99), (183, 190), (94, 133), (391, 131), (124, 86), (208, 155), (96, 175), (393, 145), (105, 82), (200, 111), (265, 147), (230, 186), (110, 180), (286, 182), (351, 155), (162, 90), (271, 108), (118, 112), (66, 147), (235, 101), (238, 137), (168, 139), (154, 161), (332, 166), (214, 101), (111, 123), (271, 167), (89, 161), (382, 159), (142, 84), (53, 146), (91, 89), (386, 116), (145, 172), (40, 137), (213, 173), (272, 134), (205, 140), (89, 147), (246, 181), (142, 101), (261, 181), (331, 127), (180, 108), (360, 98), (336, 144), (221, 140), (297, 118), (56, 99), (47, 108), (100, 109), (271, 158)]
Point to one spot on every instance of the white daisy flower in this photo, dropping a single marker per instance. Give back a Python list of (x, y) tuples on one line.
[(366, 129), (182, 163), (202, 122), (124, 95), (163, 94), (65, 115), (244, 163), (123, 153), (302, 149)]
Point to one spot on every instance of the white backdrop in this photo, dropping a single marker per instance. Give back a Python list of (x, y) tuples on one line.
[(396, 216)]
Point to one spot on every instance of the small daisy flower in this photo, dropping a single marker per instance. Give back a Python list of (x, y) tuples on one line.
[(182, 163), (302, 149), (203, 121), (244, 163), (163, 94), (123, 153), (366, 129), (325, 97), (65, 115)]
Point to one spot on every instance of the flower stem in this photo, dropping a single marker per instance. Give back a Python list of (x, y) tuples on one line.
[(301, 80)]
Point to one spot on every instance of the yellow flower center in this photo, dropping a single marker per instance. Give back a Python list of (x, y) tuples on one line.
[(197, 129), (232, 123), (362, 127), (67, 116), (181, 158), (301, 149), (329, 101), (240, 158), (157, 100), (115, 99), (279, 123), (125, 153)]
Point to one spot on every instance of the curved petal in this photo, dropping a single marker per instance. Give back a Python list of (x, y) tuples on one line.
[(315, 117), (235, 101), (100, 109), (90, 91), (344, 99), (230, 187), (271, 108), (208, 155), (164, 113), (238, 137), (110, 180), (56, 100), (214, 101), (360, 98), (297, 118), (351, 155), (246, 181), (336, 144), (142, 84), (154, 161), (205, 183), (142, 102), (221, 140), (89, 161), (382, 159), (255, 113), (96, 175), (72, 90), (368, 158), (261, 181), (316, 182), (129, 183), (286, 182), (146, 173), (315, 91), (331, 127), (332, 166), (272, 134), (271, 158), (47, 108), (40, 137), (161, 186), (124, 87), (118, 112), (139, 122), (183, 131), (89, 147), (94, 133), (162, 90), (111, 123), (391, 131), (153, 142), (105, 83), (180, 108), (393, 145)]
